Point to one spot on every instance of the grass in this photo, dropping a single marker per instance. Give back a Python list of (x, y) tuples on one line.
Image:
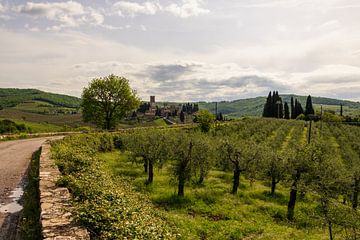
[(38, 127), (209, 211), (41, 107), (30, 217)]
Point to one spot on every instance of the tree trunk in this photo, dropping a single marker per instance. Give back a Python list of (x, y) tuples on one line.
[(182, 171), (355, 202), (273, 186), (292, 201), (146, 165), (201, 179), (330, 230), (236, 181), (151, 172), (181, 185)]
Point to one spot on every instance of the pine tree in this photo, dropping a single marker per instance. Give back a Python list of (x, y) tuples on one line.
[(292, 108), (309, 107), (286, 111)]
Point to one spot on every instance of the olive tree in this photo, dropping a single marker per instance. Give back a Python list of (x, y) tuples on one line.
[(240, 154), (152, 146), (107, 100), (189, 152)]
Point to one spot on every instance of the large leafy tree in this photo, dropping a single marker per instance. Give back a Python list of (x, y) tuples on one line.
[(106, 100), (205, 120)]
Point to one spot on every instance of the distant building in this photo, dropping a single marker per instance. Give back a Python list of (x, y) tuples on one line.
[(152, 100)]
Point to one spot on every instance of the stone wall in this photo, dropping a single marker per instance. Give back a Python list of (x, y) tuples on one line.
[(56, 220)]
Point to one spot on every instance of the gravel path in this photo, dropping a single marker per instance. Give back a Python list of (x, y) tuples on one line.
[(14, 160)]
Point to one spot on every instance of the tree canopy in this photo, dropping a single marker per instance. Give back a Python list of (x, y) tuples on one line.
[(107, 100)]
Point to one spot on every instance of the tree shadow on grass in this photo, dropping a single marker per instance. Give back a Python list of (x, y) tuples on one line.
[(266, 196), (172, 201)]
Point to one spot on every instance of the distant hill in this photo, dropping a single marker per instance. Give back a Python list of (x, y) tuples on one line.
[(254, 106), (32, 105), (11, 97), (39, 106)]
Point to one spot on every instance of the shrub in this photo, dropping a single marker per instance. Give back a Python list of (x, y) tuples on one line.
[(106, 142), (109, 209)]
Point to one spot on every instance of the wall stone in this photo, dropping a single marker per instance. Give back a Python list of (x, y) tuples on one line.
[(56, 220)]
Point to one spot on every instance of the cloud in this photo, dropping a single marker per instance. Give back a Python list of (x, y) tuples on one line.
[(132, 9), (168, 72), (67, 14), (2, 8), (188, 8), (31, 29), (199, 81)]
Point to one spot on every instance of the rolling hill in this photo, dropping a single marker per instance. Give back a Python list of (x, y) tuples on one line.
[(32, 105), (11, 97), (254, 106), (43, 107)]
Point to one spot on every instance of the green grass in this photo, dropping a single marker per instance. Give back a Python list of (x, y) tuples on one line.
[(42, 107), (38, 127), (209, 211), (30, 217)]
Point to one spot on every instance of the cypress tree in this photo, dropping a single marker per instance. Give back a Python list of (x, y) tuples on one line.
[(298, 109), (292, 108), (309, 107), (341, 111), (286, 111), (267, 107), (182, 116), (273, 109), (278, 106)]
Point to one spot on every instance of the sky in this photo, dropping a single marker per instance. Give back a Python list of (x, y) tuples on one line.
[(184, 50)]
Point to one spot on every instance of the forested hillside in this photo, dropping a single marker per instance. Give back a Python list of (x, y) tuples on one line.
[(10, 97)]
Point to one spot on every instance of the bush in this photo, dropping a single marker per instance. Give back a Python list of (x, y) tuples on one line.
[(106, 142), (301, 117), (118, 142), (109, 209)]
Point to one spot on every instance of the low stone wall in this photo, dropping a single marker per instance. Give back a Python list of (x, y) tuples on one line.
[(56, 220)]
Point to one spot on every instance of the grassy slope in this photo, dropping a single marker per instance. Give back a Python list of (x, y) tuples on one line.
[(209, 211), (60, 119), (35, 106), (37, 127), (10, 97)]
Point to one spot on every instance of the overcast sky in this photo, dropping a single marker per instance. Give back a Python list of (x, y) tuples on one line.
[(184, 50)]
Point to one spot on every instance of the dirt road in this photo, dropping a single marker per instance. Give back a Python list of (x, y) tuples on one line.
[(14, 160)]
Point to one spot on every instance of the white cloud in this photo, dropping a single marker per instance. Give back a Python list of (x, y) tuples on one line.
[(31, 29), (188, 8), (143, 28), (67, 14), (124, 8), (2, 8)]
